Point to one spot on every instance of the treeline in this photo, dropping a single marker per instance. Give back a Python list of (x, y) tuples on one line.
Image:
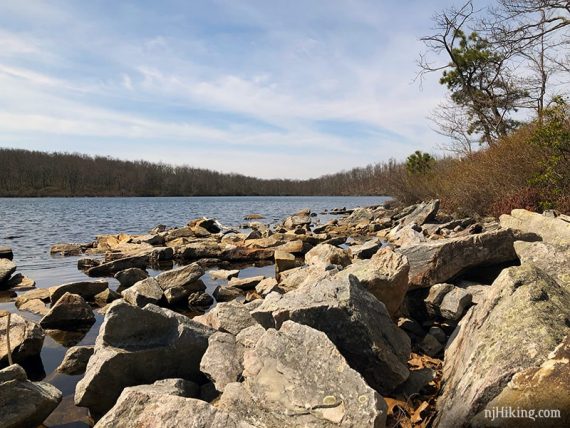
[(34, 173)]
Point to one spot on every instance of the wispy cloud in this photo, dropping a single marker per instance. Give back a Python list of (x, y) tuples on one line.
[(262, 88)]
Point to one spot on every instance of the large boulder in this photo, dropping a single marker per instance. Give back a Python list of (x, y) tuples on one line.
[(385, 275), (24, 403), (359, 325), (296, 377), (86, 289), (440, 261), (26, 339), (544, 387), (137, 346), (149, 406), (326, 254), (523, 318), (7, 268), (553, 260), (70, 312), (423, 213), (552, 230)]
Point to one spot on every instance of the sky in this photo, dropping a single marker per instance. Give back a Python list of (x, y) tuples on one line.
[(269, 88)]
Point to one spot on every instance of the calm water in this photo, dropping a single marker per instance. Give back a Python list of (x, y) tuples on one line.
[(30, 226)]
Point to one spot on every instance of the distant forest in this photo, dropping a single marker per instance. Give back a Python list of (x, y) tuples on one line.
[(34, 173)]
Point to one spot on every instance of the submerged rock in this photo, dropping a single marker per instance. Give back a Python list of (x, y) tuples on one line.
[(296, 377), (137, 346), (353, 319), (24, 403)]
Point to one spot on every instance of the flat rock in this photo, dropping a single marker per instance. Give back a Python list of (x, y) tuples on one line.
[(35, 306), (245, 283), (26, 339), (522, 320), (351, 317), (439, 261), (24, 403), (67, 249), (423, 213), (137, 346), (112, 267), (86, 289), (183, 277), (284, 261), (266, 286), (42, 294), (75, 360), (553, 260), (297, 377), (70, 312), (19, 282), (552, 230), (223, 274)]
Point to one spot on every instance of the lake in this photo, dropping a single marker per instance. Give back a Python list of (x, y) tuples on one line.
[(31, 225)]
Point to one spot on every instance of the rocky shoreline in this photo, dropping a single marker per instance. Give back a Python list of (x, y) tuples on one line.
[(383, 316)]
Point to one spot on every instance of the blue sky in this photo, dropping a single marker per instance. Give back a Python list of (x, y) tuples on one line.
[(266, 88)]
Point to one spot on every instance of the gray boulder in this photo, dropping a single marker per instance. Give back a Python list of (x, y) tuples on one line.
[(26, 339), (353, 319), (148, 406), (137, 346), (424, 212), (221, 362), (75, 360), (554, 231), (143, 292), (553, 260), (24, 403), (86, 289), (523, 318), (439, 261), (385, 275), (70, 312), (454, 304), (229, 317), (296, 377)]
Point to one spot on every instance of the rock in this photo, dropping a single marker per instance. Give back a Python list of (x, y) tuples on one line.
[(75, 360), (544, 387), (553, 231), (129, 277), (221, 362), (26, 339), (6, 253), (297, 247), (35, 306), (366, 250), (111, 268), (436, 294), (86, 289), (145, 406), (208, 224), (417, 381), (143, 292), (70, 312), (296, 377), (431, 346), (225, 294), (439, 334), (305, 276), (7, 268), (423, 213), (352, 318), (184, 277), (231, 317), (404, 236), (555, 261), (87, 263), (411, 326), (523, 318), (20, 282), (245, 283), (284, 261), (266, 286), (200, 299), (254, 217), (105, 297), (385, 276), (137, 346), (477, 291), (40, 293), (67, 249), (224, 274), (298, 220), (24, 403), (439, 261), (326, 254), (454, 304)]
